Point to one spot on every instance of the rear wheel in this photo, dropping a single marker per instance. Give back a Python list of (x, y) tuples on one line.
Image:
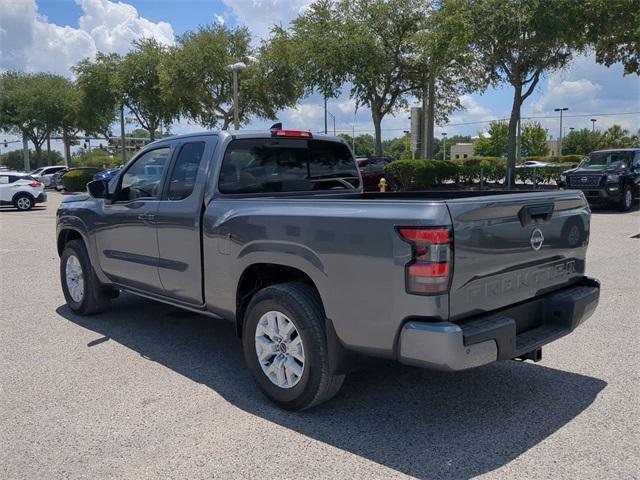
[(285, 346), (83, 292), (23, 202), (627, 199)]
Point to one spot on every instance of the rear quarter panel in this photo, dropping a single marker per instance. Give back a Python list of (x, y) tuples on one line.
[(349, 248)]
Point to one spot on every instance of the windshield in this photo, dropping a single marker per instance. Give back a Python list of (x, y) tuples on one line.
[(37, 171), (607, 159)]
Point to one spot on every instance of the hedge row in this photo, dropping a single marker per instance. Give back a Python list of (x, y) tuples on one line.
[(411, 174), (76, 180)]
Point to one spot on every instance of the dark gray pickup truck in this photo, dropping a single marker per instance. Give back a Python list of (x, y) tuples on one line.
[(273, 232)]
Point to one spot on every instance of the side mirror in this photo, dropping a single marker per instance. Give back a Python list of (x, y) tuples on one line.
[(98, 188)]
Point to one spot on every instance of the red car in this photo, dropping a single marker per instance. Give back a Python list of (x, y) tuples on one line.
[(372, 170)]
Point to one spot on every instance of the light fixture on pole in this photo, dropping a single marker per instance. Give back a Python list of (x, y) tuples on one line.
[(593, 125), (564, 109), (235, 68), (444, 145)]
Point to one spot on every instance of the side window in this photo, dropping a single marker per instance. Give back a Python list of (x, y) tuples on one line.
[(185, 170), (143, 178), (4, 180)]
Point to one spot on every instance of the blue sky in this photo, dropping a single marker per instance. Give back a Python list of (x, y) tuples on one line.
[(52, 35)]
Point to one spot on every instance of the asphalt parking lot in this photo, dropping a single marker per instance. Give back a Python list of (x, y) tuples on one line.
[(148, 391)]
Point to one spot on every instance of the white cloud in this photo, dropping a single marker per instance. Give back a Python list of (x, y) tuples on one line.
[(30, 43), (219, 19), (261, 15)]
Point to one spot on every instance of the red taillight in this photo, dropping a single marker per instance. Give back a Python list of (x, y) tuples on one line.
[(291, 133), (35, 184), (429, 270)]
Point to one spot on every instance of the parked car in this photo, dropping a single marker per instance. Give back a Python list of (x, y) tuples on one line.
[(45, 174), (372, 171), (532, 164), (20, 190), (56, 181), (607, 176), (107, 174), (272, 231)]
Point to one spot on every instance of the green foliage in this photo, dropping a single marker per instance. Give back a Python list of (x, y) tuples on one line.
[(581, 142), (76, 180), (364, 144), (533, 140), (516, 42), (139, 78), (97, 158), (372, 53), (398, 148), (541, 175), (617, 137), (615, 31), (13, 159), (403, 172), (496, 145), (100, 90)]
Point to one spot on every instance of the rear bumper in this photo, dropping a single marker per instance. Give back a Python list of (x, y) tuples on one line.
[(500, 335), (41, 198)]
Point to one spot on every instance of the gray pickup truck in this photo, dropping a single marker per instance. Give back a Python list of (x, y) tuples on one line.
[(273, 232)]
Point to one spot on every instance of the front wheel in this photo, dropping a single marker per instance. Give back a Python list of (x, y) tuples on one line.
[(627, 199), (285, 346), (84, 294)]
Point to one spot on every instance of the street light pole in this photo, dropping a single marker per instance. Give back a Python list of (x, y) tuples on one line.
[(593, 125), (235, 68), (564, 109), (444, 145)]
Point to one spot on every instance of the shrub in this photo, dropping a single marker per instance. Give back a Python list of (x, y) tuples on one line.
[(76, 180), (97, 159), (403, 172)]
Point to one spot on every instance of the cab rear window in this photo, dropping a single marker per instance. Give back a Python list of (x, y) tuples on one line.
[(286, 165)]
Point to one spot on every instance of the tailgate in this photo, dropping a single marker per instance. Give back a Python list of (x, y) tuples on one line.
[(513, 247)]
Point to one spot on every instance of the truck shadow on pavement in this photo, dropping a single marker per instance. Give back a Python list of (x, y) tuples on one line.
[(418, 422)]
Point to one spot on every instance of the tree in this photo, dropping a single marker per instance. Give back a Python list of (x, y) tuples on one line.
[(139, 78), (198, 76), (616, 137), (375, 42), (494, 145), (581, 142), (398, 148), (517, 41), (364, 144), (29, 105), (101, 93), (445, 68), (13, 159), (615, 32), (533, 140)]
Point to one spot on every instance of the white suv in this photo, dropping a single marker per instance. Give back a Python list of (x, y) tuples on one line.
[(20, 190), (45, 174)]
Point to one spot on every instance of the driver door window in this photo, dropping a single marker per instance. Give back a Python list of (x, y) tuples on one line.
[(144, 178)]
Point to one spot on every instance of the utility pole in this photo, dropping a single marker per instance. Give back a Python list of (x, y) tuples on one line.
[(25, 153), (444, 146), (593, 125), (49, 148), (122, 139), (430, 113), (353, 139), (325, 114), (564, 109)]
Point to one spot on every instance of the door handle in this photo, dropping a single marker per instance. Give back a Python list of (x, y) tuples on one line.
[(146, 217)]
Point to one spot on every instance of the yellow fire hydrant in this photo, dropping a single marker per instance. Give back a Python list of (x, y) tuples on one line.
[(382, 185)]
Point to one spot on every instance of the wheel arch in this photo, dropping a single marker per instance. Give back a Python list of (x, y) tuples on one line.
[(257, 276), (22, 193)]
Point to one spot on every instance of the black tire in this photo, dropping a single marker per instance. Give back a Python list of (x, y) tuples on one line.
[(626, 202), (23, 202), (95, 297), (301, 304)]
